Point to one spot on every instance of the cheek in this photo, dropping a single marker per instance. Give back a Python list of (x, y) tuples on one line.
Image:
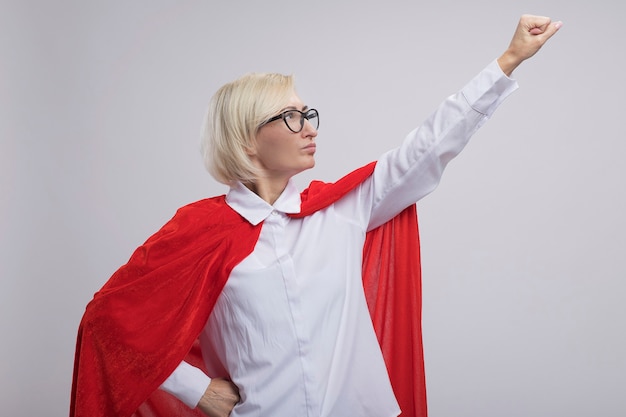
[(276, 152), (269, 148)]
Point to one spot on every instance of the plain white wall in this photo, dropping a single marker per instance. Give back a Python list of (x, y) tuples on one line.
[(101, 104)]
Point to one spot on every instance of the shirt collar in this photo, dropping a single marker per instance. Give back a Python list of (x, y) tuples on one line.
[(254, 209)]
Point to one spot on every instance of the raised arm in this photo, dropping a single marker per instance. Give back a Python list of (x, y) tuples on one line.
[(413, 170), (531, 34)]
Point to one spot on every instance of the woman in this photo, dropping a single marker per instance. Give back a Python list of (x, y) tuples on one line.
[(269, 280)]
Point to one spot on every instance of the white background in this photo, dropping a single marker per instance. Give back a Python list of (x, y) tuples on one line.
[(101, 104)]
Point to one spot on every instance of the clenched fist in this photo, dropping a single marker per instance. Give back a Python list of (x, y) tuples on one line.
[(531, 34), (220, 398)]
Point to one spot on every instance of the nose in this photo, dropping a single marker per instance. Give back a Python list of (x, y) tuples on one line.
[(308, 131)]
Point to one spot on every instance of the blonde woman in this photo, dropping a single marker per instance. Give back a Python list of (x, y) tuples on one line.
[(264, 302)]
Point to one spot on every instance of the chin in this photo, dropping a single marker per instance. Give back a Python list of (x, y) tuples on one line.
[(304, 168)]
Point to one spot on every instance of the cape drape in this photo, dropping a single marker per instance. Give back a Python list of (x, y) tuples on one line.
[(146, 319)]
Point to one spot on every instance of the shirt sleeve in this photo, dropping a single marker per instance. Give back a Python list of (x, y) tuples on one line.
[(187, 383), (406, 174)]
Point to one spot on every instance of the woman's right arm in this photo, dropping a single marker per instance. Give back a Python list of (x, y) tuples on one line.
[(220, 398), (187, 383), (215, 397)]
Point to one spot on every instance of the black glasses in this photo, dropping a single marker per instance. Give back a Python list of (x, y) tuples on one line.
[(294, 119)]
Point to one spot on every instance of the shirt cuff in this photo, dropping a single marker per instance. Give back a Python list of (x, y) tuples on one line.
[(489, 89), (187, 383)]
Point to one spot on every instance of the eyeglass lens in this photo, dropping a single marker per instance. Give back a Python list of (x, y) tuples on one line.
[(295, 119)]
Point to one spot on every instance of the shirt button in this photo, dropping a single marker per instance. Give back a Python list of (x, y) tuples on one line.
[(274, 213)]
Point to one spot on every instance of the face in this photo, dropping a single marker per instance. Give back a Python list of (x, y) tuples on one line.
[(281, 153)]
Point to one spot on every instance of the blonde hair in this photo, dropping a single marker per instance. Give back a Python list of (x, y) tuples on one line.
[(235, 113)]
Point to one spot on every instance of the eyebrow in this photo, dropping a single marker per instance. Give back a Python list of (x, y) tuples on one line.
[(304, 108)]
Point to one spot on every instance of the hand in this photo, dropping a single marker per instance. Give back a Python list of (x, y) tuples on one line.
[(531, 34), (220, 398)]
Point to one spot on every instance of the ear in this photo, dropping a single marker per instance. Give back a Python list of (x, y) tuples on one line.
[(250, 149)]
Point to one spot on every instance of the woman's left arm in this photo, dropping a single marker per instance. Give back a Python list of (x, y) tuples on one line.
[(410, 172), (531, 34)]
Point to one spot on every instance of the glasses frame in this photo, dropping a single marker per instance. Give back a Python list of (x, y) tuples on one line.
[(308, 115)]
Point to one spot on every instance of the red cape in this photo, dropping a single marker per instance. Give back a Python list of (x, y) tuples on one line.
[(147, 317)]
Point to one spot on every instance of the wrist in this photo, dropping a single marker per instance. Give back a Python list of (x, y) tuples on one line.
[(508, 62)]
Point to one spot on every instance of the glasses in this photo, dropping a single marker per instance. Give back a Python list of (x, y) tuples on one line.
[(294, 119)]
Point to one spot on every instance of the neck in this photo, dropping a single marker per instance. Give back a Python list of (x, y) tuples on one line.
[(268, 189)]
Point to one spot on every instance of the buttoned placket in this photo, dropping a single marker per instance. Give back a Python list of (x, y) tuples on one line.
[(276, 224)]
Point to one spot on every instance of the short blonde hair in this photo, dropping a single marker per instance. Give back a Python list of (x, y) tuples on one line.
[(235, 113)]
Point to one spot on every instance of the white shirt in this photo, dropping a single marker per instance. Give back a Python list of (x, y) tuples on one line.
[(291, 327)]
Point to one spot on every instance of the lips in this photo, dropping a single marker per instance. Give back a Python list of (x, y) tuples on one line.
[(310, 148)]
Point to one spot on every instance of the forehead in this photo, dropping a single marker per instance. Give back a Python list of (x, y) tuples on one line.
[(294, 102)]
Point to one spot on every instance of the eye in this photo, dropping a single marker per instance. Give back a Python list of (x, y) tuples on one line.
[(290, 115)]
